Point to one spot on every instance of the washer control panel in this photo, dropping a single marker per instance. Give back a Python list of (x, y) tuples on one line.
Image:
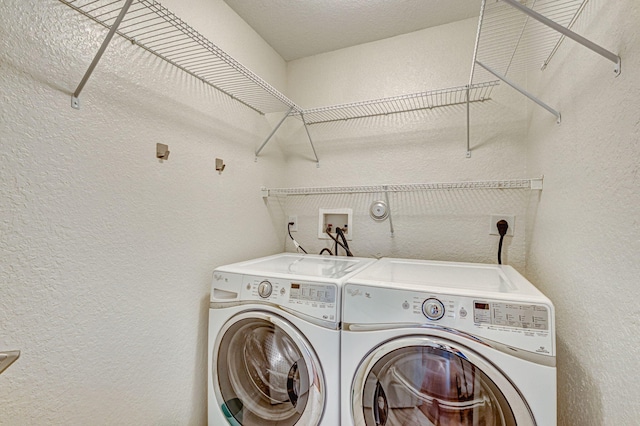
[(318, 300)]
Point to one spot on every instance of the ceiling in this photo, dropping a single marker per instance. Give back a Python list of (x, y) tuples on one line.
[(300, 28)]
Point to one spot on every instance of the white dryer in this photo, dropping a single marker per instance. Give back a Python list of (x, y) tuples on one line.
[(274, 340), (443, 343)]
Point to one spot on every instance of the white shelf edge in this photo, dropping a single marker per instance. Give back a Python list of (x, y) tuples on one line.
[(531, 184)]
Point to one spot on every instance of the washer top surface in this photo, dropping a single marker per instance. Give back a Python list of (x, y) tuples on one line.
[(451, 277), (301, 266)]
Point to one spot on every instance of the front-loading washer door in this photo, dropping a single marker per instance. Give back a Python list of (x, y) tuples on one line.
[(266, 372), (418, 380)]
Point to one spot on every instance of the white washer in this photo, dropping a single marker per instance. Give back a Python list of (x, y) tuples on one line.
[(443, 343), (274, 340)]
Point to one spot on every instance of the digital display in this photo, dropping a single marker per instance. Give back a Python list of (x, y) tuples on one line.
[(482, 305), (318, 293)]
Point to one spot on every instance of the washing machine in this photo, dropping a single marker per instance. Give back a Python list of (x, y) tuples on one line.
[(444, 343), (274, 340)]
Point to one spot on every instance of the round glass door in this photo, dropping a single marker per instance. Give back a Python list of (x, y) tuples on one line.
[(427, 381), (267, 373)]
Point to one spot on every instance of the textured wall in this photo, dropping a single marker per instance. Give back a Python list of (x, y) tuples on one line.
[(424, 146), (106, 252), (585, 233)]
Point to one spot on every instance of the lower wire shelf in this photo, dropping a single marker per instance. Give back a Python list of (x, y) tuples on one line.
[(531, 184)]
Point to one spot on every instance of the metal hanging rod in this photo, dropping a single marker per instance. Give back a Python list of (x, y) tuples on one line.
[(568, 33), (532, 184), (399, 104), (516, 36), (156, 29)]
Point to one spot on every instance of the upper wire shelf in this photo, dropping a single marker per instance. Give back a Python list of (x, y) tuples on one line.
[(510, 41), (156, 29), (398, 104), (534, 184)]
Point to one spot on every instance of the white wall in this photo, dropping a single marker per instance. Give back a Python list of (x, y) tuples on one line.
[(420, 147), (585, 234), (105, 251)]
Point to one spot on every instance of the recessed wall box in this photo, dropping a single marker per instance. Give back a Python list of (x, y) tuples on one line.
[(332, 218)]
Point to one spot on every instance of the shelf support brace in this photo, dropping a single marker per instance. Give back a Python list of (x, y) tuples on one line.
[(568, 33), (306, 127), (386, 197), (521, 90), (75, 102), (468, 125), (273, 132)]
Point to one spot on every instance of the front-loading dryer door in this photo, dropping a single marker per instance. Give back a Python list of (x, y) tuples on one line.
[(419, 380), (265, 372)]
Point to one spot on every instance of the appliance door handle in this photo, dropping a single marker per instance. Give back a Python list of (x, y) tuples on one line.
[(291, 384)]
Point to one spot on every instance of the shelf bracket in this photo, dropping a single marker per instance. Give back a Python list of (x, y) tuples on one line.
[(537, 183), (468, 125), (568, 33), (386, 197), (306, 127), (75, 102), (521, 90), (273, 132)]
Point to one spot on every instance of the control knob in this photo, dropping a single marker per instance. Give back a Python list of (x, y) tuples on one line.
[(264, 289), (433, 309)]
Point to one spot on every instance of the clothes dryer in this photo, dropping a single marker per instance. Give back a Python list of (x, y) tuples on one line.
[(443, 343), (274, 340)]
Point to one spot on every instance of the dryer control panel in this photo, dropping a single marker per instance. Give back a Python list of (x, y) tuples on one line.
[(523, 324)]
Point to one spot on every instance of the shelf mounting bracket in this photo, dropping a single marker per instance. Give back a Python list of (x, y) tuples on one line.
[(568, 33), (468, 125), (75, 102), (521, 90), (306, 127), (273, 132)]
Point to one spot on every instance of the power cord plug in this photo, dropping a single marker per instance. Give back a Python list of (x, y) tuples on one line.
[(295, 243), (502, 226)]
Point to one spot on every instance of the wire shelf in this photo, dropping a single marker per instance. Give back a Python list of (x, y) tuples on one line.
[(534, 184), (157, 30), (511, 42), (398, 104)]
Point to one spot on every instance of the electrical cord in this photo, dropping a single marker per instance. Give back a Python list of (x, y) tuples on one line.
[(340, 233), (295, 243), (346, 248), (502, 226)]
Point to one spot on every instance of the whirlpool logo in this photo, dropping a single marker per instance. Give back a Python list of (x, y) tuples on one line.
[(354, 292), (542, 350)]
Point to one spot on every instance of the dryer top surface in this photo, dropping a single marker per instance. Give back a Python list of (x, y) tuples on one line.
[(450, 277)]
